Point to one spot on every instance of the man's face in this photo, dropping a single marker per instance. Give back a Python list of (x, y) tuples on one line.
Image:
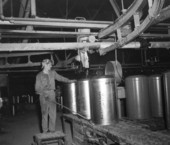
[(48, 66)]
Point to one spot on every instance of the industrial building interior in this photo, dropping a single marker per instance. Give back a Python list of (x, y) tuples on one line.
[(122, 42)]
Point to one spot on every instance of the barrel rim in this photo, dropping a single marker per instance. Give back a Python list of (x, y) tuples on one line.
[(137, 76), (83, 79)]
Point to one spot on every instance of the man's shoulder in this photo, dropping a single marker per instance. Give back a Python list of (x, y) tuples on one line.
[(53, 71), (39, 74)]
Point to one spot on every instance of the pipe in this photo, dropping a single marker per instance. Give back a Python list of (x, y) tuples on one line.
[(42, 34), (60, 46), (62, 23), (160, 45)]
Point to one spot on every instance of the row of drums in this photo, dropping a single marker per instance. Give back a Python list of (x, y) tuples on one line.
[(96, 99), (148, 97), (93, 99)]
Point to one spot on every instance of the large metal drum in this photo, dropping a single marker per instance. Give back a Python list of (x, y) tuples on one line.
[(83, 98), (155, 94), (103, 101), (137, 98), (69, 98), (166, 81)]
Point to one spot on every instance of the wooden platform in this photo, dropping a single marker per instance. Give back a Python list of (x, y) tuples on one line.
[(47, 138)]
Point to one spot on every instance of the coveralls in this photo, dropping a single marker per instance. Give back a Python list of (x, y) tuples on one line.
[(45, 87)]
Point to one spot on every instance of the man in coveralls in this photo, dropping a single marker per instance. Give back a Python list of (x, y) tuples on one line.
[(45, 87)]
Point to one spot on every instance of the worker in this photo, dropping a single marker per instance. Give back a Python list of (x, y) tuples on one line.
[(45, 87)]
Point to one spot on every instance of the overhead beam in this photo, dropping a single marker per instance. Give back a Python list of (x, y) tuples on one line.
[(59, 46)]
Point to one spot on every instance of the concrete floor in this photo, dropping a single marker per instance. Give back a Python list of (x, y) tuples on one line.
[(20, 129)]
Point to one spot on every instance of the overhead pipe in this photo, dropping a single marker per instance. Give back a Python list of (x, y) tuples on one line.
[(42, 34), (62, 23), (153, 12), (38, 19), (60, 46), (160, 45), (148, 35)]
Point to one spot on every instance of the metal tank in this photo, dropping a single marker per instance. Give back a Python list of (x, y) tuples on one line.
[(83, 98), (103, 101), (166, 82), (137, 97), (155, 94), (69, 98)]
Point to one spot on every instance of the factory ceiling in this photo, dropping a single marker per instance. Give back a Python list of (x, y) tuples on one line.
[(104, 25)]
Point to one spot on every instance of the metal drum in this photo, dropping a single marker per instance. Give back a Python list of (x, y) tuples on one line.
[(103, 101), (166, 81), (69, 98), (83, 98), (137, 98), (155, 94)]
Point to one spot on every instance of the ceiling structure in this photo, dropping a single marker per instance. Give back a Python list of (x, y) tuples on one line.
[(100, 25)]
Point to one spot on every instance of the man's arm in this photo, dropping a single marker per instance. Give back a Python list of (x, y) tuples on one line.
[(61, 78)]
